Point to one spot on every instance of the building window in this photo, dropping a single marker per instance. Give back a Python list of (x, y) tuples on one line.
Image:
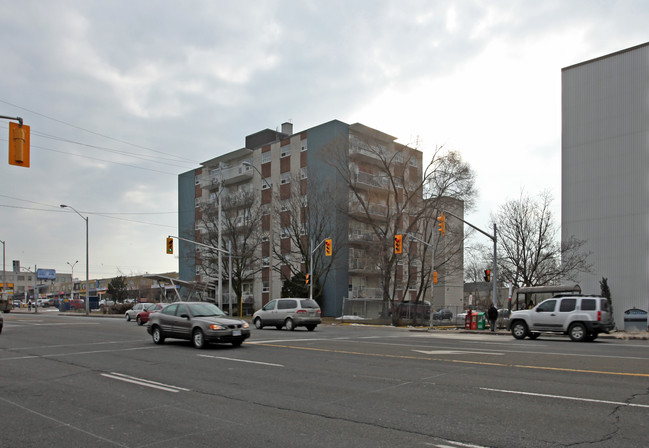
[(265, 261), (303, 173), (285, 151), (197, 202), (286, 178), (304, 146), (265, 287), (265, 157), (266, 183)]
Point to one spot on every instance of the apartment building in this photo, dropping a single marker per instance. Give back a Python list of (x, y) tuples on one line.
[(335, 181)]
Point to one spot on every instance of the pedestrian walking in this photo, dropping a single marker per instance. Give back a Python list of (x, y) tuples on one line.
[(492, 315)]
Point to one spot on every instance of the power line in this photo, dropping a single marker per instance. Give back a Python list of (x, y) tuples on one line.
[(89, 131)]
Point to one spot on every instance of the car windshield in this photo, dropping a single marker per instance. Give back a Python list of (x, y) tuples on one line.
[(151, 307), (205, 310)]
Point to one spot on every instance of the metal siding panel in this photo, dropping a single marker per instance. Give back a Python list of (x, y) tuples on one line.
[(605, 172)]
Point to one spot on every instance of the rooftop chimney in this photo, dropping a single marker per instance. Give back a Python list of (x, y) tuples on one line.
[(287, 128)]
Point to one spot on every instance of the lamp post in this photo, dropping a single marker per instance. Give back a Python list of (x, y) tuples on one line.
[(4, 276), (72, 288), (270, 187), (87, 266)]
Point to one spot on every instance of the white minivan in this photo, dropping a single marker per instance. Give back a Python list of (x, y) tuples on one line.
[(289, 313)]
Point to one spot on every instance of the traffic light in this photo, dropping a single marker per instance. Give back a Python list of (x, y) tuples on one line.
[(434, 277), (328, 247), (308, 279), (18, 144), (170, 245), (487, 275), (398, 244), (442, 224)]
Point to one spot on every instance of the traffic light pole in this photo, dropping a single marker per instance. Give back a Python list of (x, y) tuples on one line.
[(311, 267), (229, 252), (432, 270), (494, 238)]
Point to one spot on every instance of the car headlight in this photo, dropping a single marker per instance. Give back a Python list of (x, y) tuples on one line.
[(246, 325), (216, 327)]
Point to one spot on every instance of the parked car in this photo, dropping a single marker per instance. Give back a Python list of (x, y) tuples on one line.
[(143, 316), (132, 313), (77, 304), (580, 317), (289, 313), (444, 314), (199, 322)]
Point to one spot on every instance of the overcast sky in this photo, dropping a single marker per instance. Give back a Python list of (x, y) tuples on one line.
[(123, 96)]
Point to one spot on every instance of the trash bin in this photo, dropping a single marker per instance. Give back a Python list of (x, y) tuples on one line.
[(635, 320)]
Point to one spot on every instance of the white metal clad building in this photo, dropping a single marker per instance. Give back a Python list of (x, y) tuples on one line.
[(605, 172)]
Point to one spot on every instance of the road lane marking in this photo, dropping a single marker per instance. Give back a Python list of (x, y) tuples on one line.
[(455, 352), (143, 382), (242, 360), (563, 397), (459, 361), (59, 355)]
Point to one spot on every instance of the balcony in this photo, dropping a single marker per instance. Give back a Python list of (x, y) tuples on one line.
[(230, 175)]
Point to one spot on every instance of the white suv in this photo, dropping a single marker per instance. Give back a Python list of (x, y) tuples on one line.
[(580, 317)]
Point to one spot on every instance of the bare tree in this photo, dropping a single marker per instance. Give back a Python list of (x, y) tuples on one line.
[(304, 222), (391, 192), (529, 251), (241, 217)]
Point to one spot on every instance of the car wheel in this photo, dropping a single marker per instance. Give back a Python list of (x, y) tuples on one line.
[(139, 320), (519, 329), (534, 335), (198, 339), (311, 327), (128, 317), (290, 326), (258, 324), (577, 332), (156, 334)]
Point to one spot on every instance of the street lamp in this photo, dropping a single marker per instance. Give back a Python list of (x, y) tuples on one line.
[(85, 218), (4, 275), (72, 265)]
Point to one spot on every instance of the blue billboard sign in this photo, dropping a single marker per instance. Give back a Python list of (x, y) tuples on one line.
[(46, 274)]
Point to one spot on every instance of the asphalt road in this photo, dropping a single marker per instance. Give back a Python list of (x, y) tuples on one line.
[(84, 381)]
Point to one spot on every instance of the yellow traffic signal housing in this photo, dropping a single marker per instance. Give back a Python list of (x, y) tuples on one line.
[(328, 249), (442, 223), (308, 279), (434, 277), (487, 275), (398, 244), (18, 144), (170, 245)]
